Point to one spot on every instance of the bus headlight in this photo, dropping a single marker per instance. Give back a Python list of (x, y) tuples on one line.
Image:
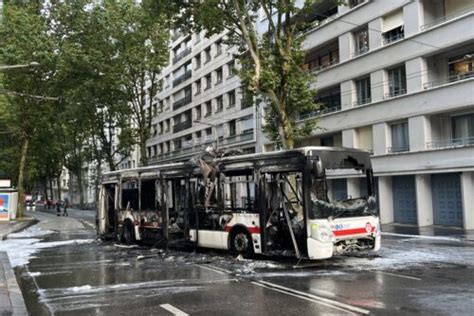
[(321, 233)]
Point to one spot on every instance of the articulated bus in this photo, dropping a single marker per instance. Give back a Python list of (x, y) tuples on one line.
[(265, 203)]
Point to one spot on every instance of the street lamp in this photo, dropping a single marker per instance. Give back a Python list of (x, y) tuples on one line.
[(32, 64)]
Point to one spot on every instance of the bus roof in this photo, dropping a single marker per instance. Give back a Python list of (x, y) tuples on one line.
[(324, 152)]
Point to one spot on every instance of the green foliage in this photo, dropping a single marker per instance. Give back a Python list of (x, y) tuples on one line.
[(272, 59)]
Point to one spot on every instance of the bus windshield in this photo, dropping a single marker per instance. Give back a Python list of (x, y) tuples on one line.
[(330, 198)]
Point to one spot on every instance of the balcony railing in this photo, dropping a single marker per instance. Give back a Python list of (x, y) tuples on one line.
[(398, 149), (245, 104), (450, 79), (361, 51), (449, 143), (394, 38), (182, 102), (178, 127), (446, 18), (182, 78), (395, 93), (246, 136), (181, 55), (305, 116), (362, 102), (329, 64)]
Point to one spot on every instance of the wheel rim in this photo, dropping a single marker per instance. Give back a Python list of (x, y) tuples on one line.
[(241, 242)]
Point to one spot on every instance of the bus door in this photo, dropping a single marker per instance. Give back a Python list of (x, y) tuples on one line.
[(107, 216)]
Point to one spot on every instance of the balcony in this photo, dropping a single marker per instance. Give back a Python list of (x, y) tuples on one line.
[(393, 38), (451, 143), (398, 149), (446, 80), (182, 78), (180, 103), (245, 136), (361, 102), (447, 17), (178, 127), (361, 51), (395, 93), (181, 55), (328, 110)]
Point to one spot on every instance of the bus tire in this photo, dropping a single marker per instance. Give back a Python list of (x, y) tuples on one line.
[(241, 242), (128, 233)]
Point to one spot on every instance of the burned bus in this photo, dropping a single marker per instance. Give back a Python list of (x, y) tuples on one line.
[(265, 203)]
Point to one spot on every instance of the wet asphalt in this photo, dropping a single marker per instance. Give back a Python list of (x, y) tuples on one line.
[(410, 276)]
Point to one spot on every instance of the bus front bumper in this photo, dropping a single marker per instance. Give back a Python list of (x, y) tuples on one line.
[(318, 250)]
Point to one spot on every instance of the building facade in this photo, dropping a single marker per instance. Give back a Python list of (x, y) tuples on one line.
[(395, 78), (200, 102)]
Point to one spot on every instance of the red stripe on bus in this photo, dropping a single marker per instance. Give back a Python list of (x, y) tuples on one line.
[(352, 231), (252, 230)]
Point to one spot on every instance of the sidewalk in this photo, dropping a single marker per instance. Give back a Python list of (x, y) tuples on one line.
[(11, 298), (428, 231)]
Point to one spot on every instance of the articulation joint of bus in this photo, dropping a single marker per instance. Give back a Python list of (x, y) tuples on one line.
[(312, 202)]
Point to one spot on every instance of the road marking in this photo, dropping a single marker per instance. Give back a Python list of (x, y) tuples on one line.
[(213, 268), (175, 311), (400, 275), (311, 297)]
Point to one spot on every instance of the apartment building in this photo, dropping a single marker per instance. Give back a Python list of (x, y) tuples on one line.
[(396, 78), (200, 102)]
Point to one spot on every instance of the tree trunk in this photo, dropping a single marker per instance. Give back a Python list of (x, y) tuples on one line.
[(98, 175), (45, 187), (81, 188), (21, 175), (51, 188), (143, 157), (58, 180)]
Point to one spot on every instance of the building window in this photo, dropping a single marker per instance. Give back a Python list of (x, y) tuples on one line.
[(232, 128), (247, 125), (463, 129), (231, 98), (208, 81), (361, 42), (231, 70), (220, 131), (219, 75), (218, 48), (198, 61), (353, 3), (220, 104), (323, 58), (198, 112), (400, 140), (327, 141), (397, 81), (392, 29), (198, 86), (208, 108), (461, 67), (209, 131), (207, 55), (363, 91)]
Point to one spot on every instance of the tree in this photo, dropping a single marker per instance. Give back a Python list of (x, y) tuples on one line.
[(272, 60), (24, 39)]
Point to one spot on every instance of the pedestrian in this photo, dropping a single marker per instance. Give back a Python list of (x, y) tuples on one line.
[(66, 205), (58, 207), (48, 202)]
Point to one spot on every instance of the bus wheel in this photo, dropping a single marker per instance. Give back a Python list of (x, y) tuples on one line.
[(241, 243), (128, 236)]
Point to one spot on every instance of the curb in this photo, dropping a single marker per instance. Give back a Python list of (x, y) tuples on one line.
[(21, 226), (16, 297)]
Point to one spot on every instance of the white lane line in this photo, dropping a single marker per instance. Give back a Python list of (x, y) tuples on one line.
[(211, 269), (175, 311), (315, 298), (301, 297), (400, 275)]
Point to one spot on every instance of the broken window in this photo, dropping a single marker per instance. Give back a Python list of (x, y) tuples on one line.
[(130, 194), (239, 193), (148, 195)]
